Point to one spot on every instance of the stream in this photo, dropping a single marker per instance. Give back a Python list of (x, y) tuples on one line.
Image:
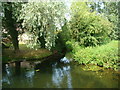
[(58, 74)]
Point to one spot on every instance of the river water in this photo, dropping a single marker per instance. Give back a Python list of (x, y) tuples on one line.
[(57, 74)]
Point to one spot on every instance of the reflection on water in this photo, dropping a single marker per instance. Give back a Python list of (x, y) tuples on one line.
[(5, 80), (8, 70), (6, 77), (56, 75), (65, 60), (29, 75), (59, 74)]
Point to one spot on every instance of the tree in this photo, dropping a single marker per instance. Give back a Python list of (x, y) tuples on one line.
[(10, 21), (118, 19), (44, 20), (63, 37), (110, 10), (88, 28)]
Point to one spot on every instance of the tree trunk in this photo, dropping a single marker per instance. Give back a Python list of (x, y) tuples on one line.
[(11, 25), (42, 41), (14, 35)]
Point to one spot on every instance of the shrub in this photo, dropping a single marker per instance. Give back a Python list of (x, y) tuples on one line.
[(105, 55), (89, 28), (71, 44)]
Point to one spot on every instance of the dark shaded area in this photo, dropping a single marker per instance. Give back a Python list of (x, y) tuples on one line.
[(17, 67), (49, 61), (4, 46), (10, 24)]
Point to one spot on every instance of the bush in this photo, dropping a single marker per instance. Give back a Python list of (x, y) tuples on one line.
[(105, 55), (73, 46), (89, 28), (62, 37)]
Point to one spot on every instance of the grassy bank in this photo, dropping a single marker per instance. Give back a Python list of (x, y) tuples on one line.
[(105, 55), (24, 53)]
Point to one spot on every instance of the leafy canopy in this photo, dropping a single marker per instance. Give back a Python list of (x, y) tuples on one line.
[(43, 19), (88, 28)]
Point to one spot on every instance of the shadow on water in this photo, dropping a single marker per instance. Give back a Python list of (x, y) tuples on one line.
[(56, 74)]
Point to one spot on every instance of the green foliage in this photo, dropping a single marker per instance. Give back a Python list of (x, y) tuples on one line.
[(63, 37), (44, 20), (11, 11), (88, 28), (65, 33), (112, 14), (105, 55), (71, 44), (110, 11), (14, 8)]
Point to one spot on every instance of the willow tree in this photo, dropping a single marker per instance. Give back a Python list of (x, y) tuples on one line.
[(44, 21)]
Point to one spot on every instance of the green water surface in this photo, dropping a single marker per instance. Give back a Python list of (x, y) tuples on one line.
[(57, 75)]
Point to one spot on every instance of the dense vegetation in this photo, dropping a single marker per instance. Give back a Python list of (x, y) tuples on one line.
[(89, 33), (104, 55), (88, 28), (44, 21), (91, 37)]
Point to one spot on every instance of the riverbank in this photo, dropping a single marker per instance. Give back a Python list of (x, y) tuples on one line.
[(25, 53), (104, 56)]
